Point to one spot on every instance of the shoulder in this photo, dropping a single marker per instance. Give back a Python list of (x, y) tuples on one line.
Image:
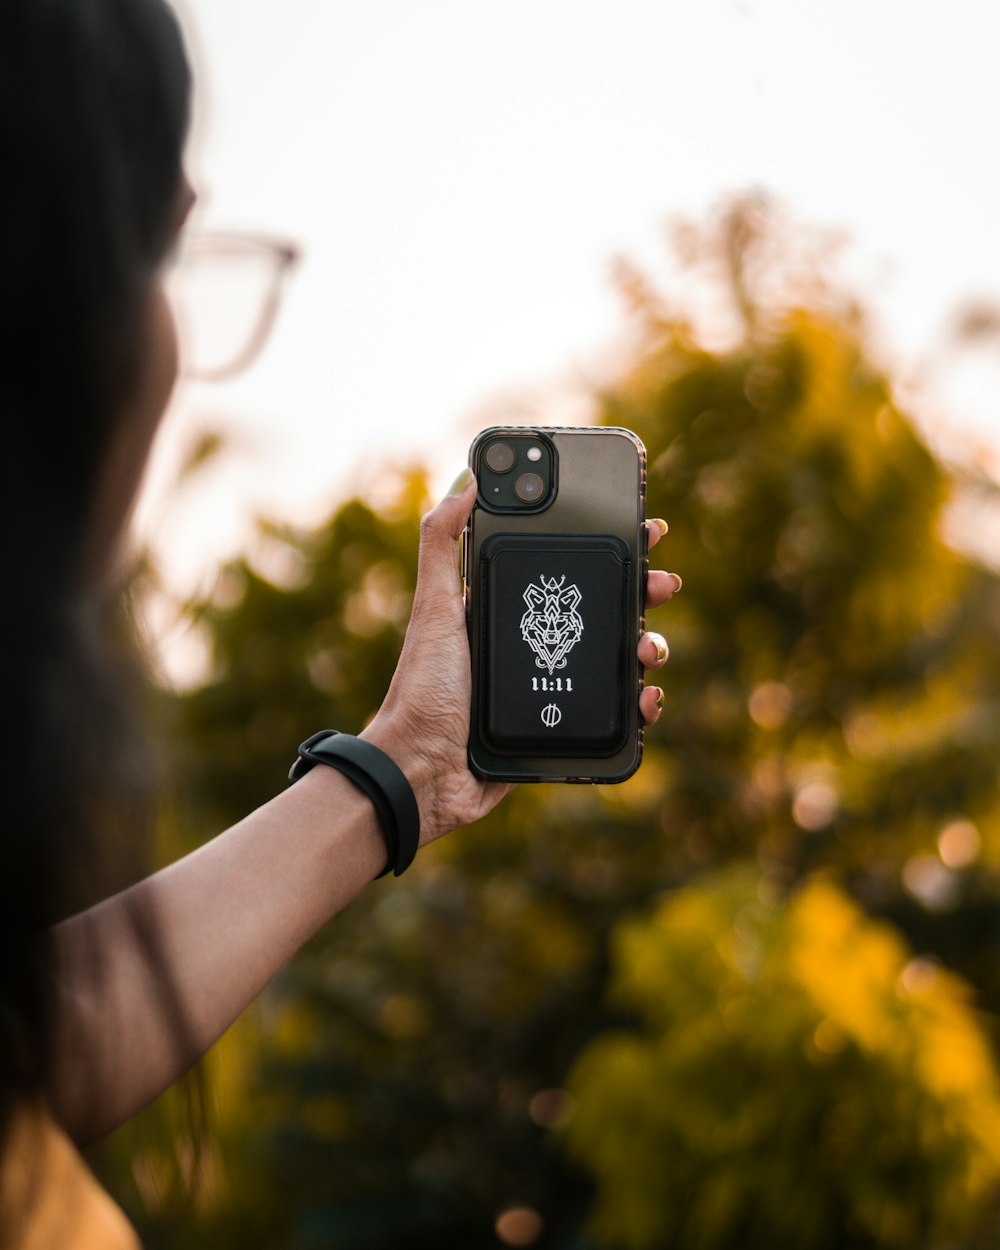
[(49, 1197)]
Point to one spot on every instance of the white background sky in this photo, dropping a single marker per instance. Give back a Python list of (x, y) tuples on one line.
[(460, 176)]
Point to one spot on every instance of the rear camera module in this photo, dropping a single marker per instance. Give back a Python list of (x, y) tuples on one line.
[(529, 488), (516, 469), (500, 457)]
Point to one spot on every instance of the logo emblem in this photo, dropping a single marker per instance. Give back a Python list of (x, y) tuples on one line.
[(551, 716), (552, 626)]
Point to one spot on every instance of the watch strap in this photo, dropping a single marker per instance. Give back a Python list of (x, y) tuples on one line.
[(378, 777)]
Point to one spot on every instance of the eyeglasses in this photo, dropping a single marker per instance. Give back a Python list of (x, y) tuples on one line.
[(225, 290)]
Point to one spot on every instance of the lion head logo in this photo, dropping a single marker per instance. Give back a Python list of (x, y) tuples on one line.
[(552, 625)]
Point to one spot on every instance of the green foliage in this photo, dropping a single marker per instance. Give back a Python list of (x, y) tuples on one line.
[(832, 647), (315, 623), (796, 1078), (832, 705)]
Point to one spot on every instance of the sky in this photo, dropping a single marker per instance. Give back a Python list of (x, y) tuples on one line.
[(460, 177)]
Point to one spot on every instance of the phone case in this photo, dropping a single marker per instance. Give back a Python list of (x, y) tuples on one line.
[(554, 598)]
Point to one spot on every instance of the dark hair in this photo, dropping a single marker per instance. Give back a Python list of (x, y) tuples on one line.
[(93, 115)]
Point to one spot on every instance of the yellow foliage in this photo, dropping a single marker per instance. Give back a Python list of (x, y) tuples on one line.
[(794, 1065), (827, 935)]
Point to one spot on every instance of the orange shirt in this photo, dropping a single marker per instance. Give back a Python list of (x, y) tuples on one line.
[(49, 1197)]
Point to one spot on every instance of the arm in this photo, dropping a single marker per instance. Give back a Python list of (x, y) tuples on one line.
[(149, 979)]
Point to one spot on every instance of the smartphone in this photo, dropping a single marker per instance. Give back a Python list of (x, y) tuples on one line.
[(554, 564)]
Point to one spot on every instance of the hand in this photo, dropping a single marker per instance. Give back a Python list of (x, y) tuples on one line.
[(424, 722)]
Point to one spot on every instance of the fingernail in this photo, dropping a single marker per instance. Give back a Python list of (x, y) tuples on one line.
[(659, 698), (661, 649), (659, 521), (462, 482), (678, 582)]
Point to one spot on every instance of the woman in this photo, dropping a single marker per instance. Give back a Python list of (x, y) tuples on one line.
[(102, 1011)]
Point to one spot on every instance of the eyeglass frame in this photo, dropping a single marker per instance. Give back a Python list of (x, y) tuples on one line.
[(220, 242)]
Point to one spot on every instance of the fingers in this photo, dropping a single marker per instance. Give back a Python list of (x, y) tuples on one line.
[(653, 650), (657, 528), (660, 587), (651, 704), (653, 653)]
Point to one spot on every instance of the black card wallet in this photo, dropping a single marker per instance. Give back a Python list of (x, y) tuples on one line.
[(553, 646)]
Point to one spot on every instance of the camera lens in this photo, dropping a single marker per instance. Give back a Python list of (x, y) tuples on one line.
[(500, 457), (529, 488)]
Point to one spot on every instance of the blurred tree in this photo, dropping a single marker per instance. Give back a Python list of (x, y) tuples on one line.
[(832, 706), (797, 1079), (838, 696)]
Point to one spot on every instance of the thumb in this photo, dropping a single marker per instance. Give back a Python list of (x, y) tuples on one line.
[(440, 530), (451, 514)]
